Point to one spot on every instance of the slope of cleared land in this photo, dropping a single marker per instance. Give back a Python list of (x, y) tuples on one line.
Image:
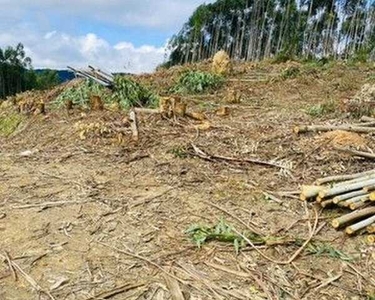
[(105, 216)]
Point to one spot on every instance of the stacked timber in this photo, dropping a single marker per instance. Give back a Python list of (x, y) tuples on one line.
[(355, 192), (97, 75)]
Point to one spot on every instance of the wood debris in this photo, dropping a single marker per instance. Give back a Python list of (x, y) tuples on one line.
[(352, 191)]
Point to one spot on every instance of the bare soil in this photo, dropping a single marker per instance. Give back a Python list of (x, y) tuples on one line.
[(83, 217)]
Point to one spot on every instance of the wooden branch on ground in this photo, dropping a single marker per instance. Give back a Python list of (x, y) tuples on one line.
[(146, 110), (27, 277), (343, 177), (116, 291), (324, 128), (310, 191), (361, 225), (347, 196), (356, 152), (201, 154), (336, 190), (354, 216)]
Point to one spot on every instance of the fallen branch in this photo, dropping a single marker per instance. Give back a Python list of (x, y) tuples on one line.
[(201, 154), (356, 152), (321, 181), (347, 196), (336, 190), (354, 216), (310, 191), (323, 128), (116, 291), (15, 267), (361, 225)]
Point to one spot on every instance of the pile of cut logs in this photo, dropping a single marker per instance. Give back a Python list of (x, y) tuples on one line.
[(97, 75), (354, 191)]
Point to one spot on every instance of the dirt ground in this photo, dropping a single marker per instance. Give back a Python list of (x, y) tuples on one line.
[(97, 219)]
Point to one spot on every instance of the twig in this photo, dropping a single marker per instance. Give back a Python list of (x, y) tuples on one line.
[(201, 154), (116, 291), (134, 124), (295, 255), (28, 278), (328, 281), (144, 259), (11, 268), (51, 204), (356, 152)]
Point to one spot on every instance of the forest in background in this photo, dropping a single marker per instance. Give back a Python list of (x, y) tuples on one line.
[(252, 30), (17, 74)]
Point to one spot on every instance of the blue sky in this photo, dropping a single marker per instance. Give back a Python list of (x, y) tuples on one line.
[(119, 35)]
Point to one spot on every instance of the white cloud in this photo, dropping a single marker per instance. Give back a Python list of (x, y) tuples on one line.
[(56, 46)]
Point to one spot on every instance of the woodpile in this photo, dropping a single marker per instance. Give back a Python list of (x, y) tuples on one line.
[(352, 191)]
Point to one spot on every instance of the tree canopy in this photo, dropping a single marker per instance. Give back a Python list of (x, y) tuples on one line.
[(17, 75), (257, 29)]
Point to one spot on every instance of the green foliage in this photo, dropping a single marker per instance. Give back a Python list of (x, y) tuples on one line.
[(46, 79), (126, 92), (321, 249), (195, 82), (179, 152), (322, 109), (130, 93), (9, 123), (290, 73), (222, 232), (80, 94)]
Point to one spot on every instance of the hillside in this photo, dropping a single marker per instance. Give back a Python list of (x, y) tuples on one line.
[(90, 212)]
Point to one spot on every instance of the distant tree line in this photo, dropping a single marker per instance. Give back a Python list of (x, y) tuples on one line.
[(17, 74), (253, 30)]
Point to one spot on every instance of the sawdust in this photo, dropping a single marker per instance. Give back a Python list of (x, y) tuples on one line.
[(342, 138)]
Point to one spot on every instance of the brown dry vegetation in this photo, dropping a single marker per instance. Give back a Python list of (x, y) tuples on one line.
[(83, 214)]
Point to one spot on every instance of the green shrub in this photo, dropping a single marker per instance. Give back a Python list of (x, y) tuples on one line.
[(322, 109), (80, 95), (195, 82), (291, 72), (129, 93), (126, 92)]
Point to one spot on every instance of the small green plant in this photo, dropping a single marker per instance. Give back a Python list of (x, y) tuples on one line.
[(9, 123), (325, 108), (195, 82), (130, 93), (179, 152), (126, 92), (321, 249), (80, 95), (290, 73), (222, 232)]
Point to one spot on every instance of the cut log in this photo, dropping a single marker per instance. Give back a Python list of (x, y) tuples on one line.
[(368, 189), (371, 239), (361, 225), (334, 178), (134, 125), (371, 229), (347, 196), (146, 110), (324, 128), (356, 153), (345, 188), (367, 119), (310, 191), (372, 196), (355, 206), (354, 216), (359, 179), (327, 203), (359, 199)]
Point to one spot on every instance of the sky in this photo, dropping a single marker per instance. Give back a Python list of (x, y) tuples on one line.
[(116, 35)]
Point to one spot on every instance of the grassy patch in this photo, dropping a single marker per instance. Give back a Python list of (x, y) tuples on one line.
[(290, 73), (179, 152), (323, 249), (322, 109), (195, 82), (9, 123)]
